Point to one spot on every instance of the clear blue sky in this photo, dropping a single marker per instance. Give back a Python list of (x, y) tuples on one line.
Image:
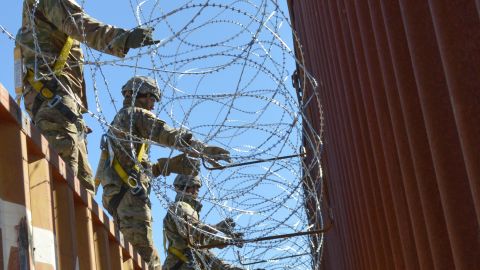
[(200, 117)]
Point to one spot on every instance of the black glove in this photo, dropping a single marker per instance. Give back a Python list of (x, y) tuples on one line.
[(139, 37), (237, 238), (181, 164), (226, 226)]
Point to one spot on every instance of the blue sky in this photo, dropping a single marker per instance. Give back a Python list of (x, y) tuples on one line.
[(194, 100)]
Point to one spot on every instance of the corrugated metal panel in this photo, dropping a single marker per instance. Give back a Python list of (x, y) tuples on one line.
[(47, 221), (400, 92)]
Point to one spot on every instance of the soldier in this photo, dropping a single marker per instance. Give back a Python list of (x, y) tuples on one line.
[(127, 171), (54, 87), (182, 228)]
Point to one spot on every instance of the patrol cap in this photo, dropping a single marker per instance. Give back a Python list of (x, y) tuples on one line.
[(187, 181), (143, 85)]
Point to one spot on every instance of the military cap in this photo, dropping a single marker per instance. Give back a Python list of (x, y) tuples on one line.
[(187, 181), (142, 85)]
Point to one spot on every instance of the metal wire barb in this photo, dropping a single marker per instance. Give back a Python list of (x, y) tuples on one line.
[(224, 68)]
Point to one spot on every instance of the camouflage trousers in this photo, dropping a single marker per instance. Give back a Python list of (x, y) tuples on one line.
[(68, 139), (134, 218), (204, 260)]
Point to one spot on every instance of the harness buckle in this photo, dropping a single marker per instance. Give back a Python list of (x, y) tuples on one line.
[(135, 188), (103, 142), (54, 101)]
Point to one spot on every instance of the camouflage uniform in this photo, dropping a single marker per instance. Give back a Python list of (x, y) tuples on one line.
[(132, 213), (53, 22), (182, 228)]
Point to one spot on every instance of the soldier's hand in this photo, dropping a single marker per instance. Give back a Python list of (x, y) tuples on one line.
[(181, 164), (212, 154), (237, 239), (217, 153), (139, 37), (226, 226)]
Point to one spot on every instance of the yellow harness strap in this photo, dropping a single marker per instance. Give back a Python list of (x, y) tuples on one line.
[(165, 241), (178, 253), (62, 58), (57, 69), (38, 86), (132, 183)]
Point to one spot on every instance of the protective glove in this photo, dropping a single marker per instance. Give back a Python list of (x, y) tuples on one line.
[(139, 37), (226, 226), (212, 154), (237, 238), (181, 164), (217, 153)]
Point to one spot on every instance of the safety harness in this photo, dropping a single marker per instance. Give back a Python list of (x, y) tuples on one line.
[(185, 256), (130, 178), (46, 91), (183, 259), (179, 254)]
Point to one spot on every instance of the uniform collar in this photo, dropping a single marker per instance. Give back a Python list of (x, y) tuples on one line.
[(187, 198)]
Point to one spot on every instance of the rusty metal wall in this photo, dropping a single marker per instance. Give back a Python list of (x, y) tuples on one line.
[(400, 89), (47, 220)]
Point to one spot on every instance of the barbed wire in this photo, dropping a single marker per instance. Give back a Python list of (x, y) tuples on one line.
[(225, 70)]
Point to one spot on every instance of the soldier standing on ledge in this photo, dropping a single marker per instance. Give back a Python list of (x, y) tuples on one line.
[(127, 172), (183, 228), (54, 86)]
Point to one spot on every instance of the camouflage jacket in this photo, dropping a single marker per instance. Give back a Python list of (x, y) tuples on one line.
[(52, 23), (182, 222), (130, 125)]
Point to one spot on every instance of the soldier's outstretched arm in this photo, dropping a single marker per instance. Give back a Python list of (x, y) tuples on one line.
[(69, 17), (181, 164), (189, 225), (157, 130), (152, 128)]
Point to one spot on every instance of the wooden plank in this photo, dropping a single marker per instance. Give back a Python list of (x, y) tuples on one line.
[(83, 219), (102, 249), (65, 228), (128, 264), (42, 215), (115, 252), (14, 196)]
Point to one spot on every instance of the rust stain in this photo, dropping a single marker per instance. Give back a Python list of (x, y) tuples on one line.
[(23, 241), (14, 259)]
